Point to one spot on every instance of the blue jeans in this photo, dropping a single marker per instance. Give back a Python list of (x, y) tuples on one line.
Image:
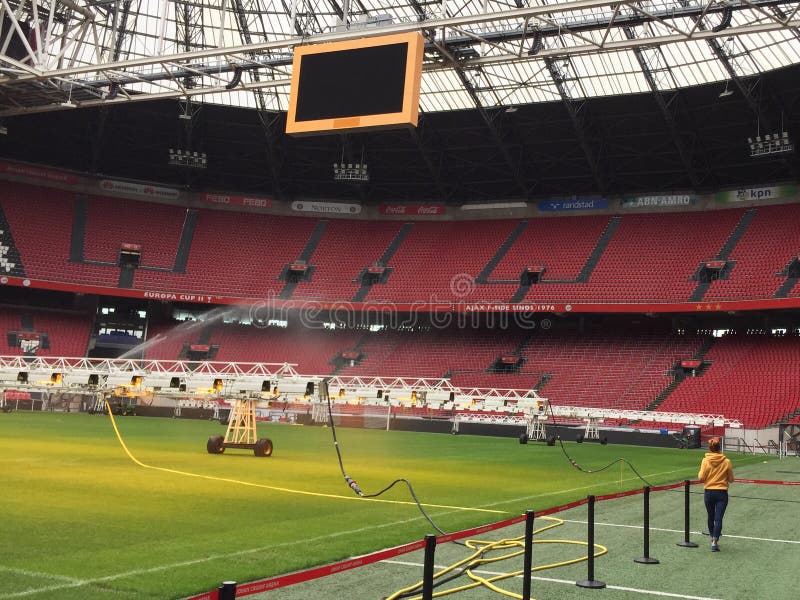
[(716, 502)]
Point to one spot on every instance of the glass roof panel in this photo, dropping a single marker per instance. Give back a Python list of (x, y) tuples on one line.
[(591, 46)]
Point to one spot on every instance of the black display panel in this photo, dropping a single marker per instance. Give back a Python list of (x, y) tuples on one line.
[(354, 82)]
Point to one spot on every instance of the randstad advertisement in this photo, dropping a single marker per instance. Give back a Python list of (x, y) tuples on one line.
[(574, 204), (755, 194)]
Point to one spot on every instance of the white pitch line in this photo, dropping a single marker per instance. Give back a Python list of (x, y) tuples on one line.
[(727, 535), (569, 582), (64, 578), (575, 489), (73, 583), (50, 588), (81, 582)]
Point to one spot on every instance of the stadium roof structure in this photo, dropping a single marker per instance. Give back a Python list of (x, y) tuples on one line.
[(479, 54), (484, 58)]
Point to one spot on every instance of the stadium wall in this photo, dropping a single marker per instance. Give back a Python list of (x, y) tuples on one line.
[(657, 201)]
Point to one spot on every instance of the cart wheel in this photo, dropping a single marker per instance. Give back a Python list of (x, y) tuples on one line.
[(214, 444), (263, 447), (523, 439)]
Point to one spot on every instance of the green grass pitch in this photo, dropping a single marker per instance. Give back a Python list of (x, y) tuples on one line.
[(81, 520)]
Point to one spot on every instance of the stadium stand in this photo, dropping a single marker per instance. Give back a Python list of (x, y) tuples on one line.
[(554, 243), (9, 321), (769, 244), (165, 340), (235, 254), (629, 258), (68, 333), (621, 371), (41, 222), (66, 237), (435, 353), (440, 261), (156, 227), (344, 251), (753, 378), (651, 257), (312, 350), (624, 371), (461, 261)]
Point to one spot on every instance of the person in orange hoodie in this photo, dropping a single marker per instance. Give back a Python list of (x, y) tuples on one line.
[(716, 473)]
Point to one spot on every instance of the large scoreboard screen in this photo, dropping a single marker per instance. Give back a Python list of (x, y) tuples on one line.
[(354, 85)]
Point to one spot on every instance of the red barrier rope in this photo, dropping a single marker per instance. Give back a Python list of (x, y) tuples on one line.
[(265, 585), (766, 482), (212, 595), (273, 583)]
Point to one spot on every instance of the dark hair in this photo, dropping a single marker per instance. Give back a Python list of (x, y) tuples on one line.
[(713, 444)]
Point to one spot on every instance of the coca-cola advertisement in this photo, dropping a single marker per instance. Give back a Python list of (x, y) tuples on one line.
[(412, 209)]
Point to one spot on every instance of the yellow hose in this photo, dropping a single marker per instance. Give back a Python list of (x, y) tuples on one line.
[(273, 488), (477, 559)]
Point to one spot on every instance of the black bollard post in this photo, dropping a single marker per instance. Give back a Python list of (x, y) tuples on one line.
[(686, 543), (427, 570), (227, 591), (528, 559), (646, 559), (590, 582)]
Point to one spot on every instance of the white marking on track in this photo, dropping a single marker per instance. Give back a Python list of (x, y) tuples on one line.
[(570, 582), (726, 535)]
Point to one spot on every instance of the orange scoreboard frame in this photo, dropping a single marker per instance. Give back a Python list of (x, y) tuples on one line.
[(408, 115)]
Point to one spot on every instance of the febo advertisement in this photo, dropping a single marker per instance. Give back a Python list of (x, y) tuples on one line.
[(239, 201), (412, 209)]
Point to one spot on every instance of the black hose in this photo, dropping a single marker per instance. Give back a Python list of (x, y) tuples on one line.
[(352, 484)]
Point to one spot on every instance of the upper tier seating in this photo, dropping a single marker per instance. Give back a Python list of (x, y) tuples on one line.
[(41, 222), (155, 227), (235, 254), (346, 248), (554, 243), (438, 262), (648, 257), (770, 242)]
